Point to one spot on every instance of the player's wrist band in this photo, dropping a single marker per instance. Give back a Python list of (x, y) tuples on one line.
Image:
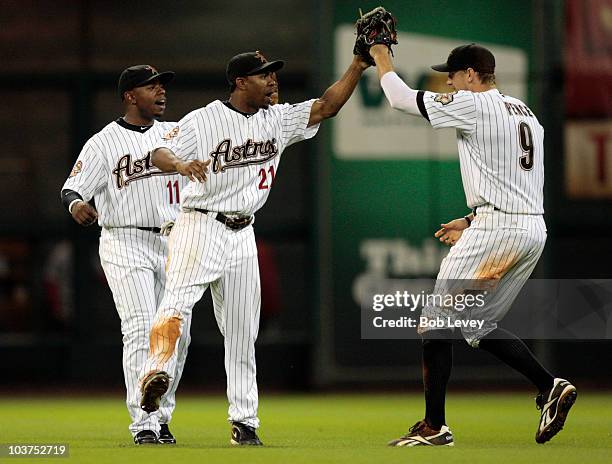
[(72, 203), (469, 221), (69, 197)]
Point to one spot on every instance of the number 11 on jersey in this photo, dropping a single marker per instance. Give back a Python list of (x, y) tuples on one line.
[(173, 186)]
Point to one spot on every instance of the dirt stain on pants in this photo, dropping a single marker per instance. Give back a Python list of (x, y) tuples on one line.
[(162, 341)]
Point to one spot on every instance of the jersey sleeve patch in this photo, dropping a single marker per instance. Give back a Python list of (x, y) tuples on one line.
[(172, 134), (444, 98), (78, 167)]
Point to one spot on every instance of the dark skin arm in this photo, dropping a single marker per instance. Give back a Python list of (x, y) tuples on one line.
[(329, 104), (167, 161), (84, 214)]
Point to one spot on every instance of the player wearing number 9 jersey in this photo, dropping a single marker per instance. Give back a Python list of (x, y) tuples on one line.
[(501, 157), (134, 201)]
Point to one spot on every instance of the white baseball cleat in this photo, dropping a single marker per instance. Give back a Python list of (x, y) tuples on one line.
[(421, 434), (555, 404)]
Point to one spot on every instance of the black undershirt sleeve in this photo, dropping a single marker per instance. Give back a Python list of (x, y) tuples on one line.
[(68, 196), (421, 104)]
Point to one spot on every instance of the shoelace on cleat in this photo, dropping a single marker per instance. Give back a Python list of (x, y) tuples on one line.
[(420, 425)]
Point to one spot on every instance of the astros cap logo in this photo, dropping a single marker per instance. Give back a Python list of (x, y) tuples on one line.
[(260, 56)]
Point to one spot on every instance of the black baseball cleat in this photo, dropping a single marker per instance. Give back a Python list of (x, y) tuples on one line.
[(243, 435), (153, 388), (554, 404), (165, 435), (146, 437), (421, 434)]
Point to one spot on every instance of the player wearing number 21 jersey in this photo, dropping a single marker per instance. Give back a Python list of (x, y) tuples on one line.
[(232, 149)]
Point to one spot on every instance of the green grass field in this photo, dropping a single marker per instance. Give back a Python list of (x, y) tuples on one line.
[(352, 429)]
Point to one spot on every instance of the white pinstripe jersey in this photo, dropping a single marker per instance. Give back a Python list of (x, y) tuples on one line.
[(244, 151), (501, 148), (115, 167)]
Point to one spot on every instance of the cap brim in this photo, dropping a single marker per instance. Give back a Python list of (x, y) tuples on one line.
[(441, 67), (270, 66), (163, 78)]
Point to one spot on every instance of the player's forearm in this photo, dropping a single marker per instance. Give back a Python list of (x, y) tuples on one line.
[(382, 58), (338, 93), (398, 93), (400, 96), (165, 160), (70, 198)]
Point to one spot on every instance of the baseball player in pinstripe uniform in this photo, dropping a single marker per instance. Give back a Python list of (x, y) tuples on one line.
[(497, 246), (238, 144), (134, 201)]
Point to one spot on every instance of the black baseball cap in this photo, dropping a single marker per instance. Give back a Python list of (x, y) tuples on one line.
[(468, 56), (139, 75), (250, 64)]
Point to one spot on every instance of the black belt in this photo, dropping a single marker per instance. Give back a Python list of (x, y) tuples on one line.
[(232, 223), (495, 208), (155, 230)]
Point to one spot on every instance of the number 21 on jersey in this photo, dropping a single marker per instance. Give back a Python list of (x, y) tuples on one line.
[(266, 178)]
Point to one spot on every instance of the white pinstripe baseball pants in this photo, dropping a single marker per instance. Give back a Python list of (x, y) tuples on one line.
[(496, 254), (204, 252), (133, 261)]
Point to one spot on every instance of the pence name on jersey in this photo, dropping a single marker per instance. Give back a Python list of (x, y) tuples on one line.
[(500, 147), (244, 150), (115, 166)]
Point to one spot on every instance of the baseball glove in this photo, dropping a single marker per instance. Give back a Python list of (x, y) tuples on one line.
[(375, 27)]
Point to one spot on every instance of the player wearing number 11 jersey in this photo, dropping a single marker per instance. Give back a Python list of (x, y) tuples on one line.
[(135, 203), (501, 156)]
